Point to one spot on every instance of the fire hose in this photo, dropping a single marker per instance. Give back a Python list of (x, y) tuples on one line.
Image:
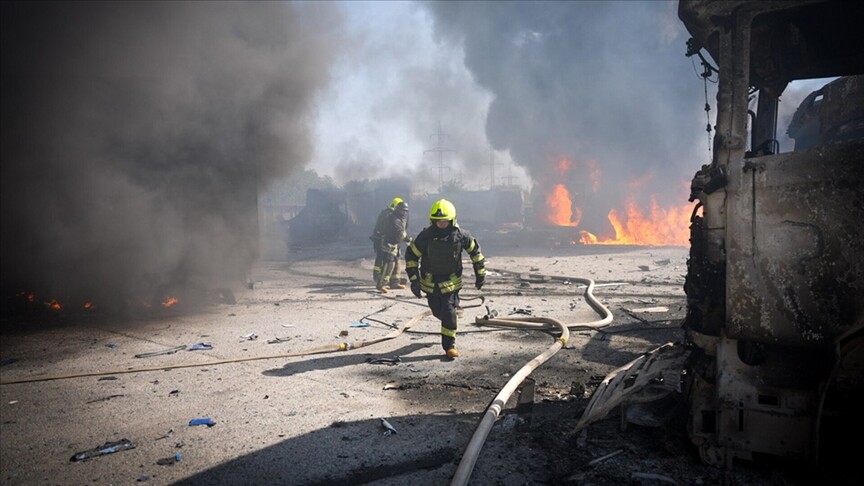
[(472, 450)]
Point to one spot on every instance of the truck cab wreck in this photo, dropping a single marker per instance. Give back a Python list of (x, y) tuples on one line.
[(775, 277), (773, 360)]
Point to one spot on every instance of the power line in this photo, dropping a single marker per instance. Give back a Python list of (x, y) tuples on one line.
[(439, 149)]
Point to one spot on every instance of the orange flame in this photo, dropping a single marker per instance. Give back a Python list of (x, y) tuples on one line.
[(561, 207), (663, 227), (31, 297), (54, 304), (170, 301), (89, 305), (564, 166)]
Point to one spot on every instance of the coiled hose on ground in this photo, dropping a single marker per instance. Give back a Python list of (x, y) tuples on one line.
[(472, 450)]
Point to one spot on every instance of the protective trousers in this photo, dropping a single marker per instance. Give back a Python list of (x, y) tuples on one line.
[(444, 307), (379, 260), (390, 268)]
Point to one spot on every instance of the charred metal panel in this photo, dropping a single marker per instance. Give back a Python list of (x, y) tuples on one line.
[(774, 419), (795, 246)]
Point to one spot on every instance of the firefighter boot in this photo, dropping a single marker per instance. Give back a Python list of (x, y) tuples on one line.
[(395, 284), (452, 353)]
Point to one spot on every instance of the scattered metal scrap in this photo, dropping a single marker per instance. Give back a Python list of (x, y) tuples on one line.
[(628, 381), (160, 353), (385, 361), (104, 449)]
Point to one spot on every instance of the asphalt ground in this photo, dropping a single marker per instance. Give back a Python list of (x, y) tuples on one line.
[(285, 417)]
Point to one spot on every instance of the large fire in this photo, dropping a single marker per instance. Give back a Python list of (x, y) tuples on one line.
[(657, 227), (561, 207)]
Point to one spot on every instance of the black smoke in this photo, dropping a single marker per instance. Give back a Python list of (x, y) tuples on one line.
[(136, 136), (602, 84)]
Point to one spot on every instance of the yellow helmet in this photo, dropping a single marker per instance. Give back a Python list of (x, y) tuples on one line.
[(442, 209), (395, 202)]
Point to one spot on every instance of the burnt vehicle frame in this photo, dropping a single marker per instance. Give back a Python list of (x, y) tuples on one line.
[(772, 366), (774, 283)]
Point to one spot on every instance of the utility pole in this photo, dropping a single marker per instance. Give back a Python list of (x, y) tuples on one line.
[(439, 149), (492, 165), (509, 177)]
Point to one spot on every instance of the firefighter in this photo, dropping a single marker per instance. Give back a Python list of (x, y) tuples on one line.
[(378, 236), (394, 233), (433, 262)]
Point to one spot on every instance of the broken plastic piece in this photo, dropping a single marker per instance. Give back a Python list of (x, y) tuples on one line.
[(198, 346), (390, 430), (106, 448), (202, 421), (249, 337), (359, 324)]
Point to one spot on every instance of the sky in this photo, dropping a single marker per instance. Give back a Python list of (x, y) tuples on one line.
[(137, 135)]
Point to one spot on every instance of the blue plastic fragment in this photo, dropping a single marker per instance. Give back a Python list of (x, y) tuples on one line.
[(202, 421), (198, 346), (111, 345), (359, 324)]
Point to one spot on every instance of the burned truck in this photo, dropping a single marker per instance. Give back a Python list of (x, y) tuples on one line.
[(775, 279)]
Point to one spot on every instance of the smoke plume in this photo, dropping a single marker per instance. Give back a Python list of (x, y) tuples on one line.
[(603, 86), (136, 136)]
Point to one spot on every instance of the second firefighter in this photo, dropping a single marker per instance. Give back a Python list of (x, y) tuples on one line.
[(393, 233)]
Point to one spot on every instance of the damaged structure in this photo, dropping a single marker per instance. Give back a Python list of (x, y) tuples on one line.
[(775, 277), (772, 367)]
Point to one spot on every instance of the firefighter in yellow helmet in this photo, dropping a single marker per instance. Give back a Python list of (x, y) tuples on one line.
[(394, 232), (434, 266), (378, 237)]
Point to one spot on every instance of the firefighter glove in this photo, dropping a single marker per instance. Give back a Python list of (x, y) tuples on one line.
[(415, 289), (479, 281)]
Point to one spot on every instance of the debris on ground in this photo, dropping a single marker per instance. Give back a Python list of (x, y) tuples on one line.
[(390, 430), (104, 449), (200, 346), (279, 340), (385, 361), (105, 399), (202, 421), (160, 353), (169, 461)]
